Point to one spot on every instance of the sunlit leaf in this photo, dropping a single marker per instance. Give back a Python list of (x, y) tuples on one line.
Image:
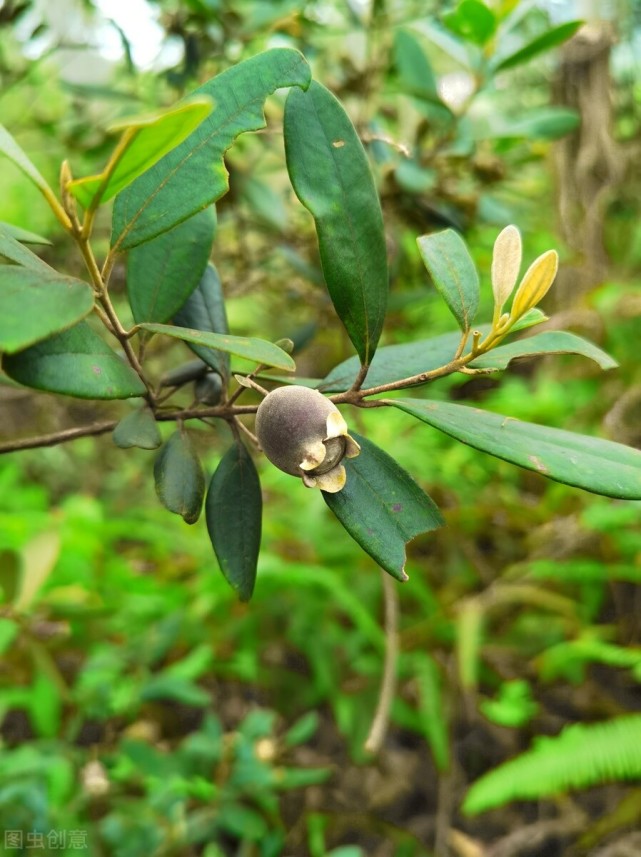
[(233, 512), (599, 466), (37, 303), (382, 507), (550, 39), (330, 173), (472, 21), (193, 175), (179, 477), (453, 273), (163, 272), (10, 149), (39, 557)]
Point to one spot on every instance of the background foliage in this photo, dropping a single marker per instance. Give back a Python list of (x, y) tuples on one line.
[(146, 707)]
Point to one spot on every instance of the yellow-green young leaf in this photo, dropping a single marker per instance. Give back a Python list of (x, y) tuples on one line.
[(145, 141), (599, 466), (76, 362), (233, 512), (193, 175), (139, 428), (163, 272), (330, 174), (506, 264), (535, 284), (12, 150), (205, 310), (39, 557), (382, 507), (256, 350), (179, 477), (453, 273), (35, 304), (469, 637)]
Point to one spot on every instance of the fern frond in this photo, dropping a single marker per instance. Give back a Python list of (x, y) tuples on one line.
[(581, 756)]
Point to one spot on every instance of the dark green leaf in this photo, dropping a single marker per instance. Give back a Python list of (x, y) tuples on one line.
[(453, 273), (34, 304), (11, 248), (22, 235), (599, 466), (549, 342), (382, 507), (139, 429), (330, 173), (551, 39), (75, 362), (471, 20), (258, 350), (163, 273), (180, 480), (193, 175), (233, 511), (205, 310), (413, 66)]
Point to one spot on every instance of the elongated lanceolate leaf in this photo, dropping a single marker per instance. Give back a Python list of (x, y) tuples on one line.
[(257, 350), (139, 428), (599, 466), (22, 235), (233, 511), (145, 140), (453, 273), (205, 310), (75, 362), (34, 304), (163, 272), (193, 175), (11, 248), (179, 476), (415, 71), (330, 173), (551, 39), (549, 342), (382, 507), (10, 149)]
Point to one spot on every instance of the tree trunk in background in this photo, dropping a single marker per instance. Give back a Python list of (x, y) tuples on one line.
[(588, 164)]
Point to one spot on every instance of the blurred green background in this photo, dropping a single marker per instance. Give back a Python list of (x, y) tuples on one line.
[(143, 710)]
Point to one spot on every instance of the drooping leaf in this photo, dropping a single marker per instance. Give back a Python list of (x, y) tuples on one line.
[(257, 350), (453, 273), (471, 20), (413, 66), (163, 272), (179, 477), (139, 428), (22, 235), (599, 466), (37, 303), (583, 755), (550, 39), (233, 512), (382, 507), (549, 342), (76, 362), (10, 149), (12, 249), (145, 141), (205, 310), (330, 174), (193, 175)]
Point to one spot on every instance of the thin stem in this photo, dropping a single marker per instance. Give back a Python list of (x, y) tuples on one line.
[(380, 722)]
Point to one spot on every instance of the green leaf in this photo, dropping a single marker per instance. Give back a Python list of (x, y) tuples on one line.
[(10, 149), (583, 755), (163, 273), (75, 362), (548, 123), (8, 632), (471, 20), (330, 174), (39, 556), (233, 512), (145, 141), (176, 689), (382, 507), (10, 572), (22, 235), (551, 39), (549, 342), (139, 428), (599, 466), (193, 175), (531, 318), (414, 67), (205, 310), (257, 350), (35, 304), (432, 707), (453, 273), (11, 248), (179, 476)]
